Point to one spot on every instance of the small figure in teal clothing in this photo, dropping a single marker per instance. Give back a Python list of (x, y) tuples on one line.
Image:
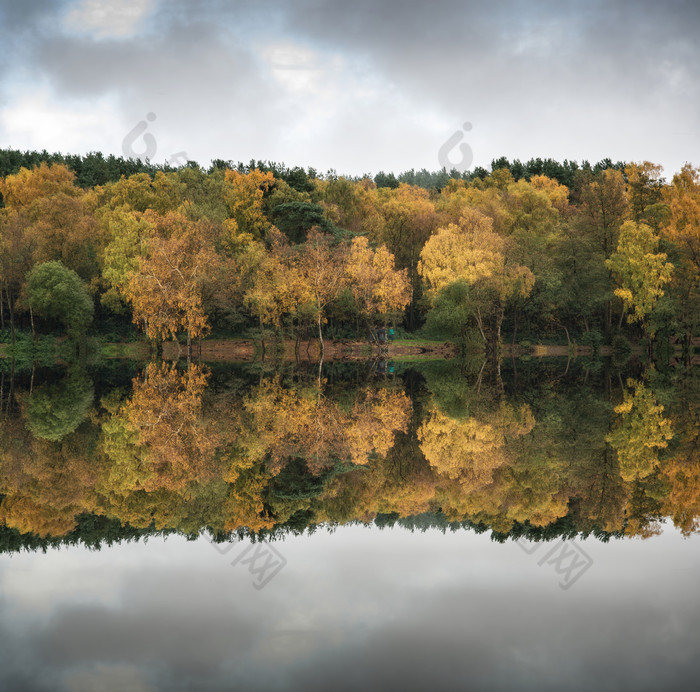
[(391, 333)]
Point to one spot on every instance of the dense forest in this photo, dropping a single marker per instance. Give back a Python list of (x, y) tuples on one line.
[(536, 250)]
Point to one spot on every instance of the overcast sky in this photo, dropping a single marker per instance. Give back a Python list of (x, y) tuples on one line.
[(356, 86)]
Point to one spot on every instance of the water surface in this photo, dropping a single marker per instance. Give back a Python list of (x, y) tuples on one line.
[(432, 526)]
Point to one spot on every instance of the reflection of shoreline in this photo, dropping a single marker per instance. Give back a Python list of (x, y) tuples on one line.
[(97, 531), (234, 350), (246, 350)]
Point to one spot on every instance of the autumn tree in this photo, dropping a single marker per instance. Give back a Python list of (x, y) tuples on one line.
[(166, 291), (595, 232), (23, 189), (644, 191), (378, 288), (16, 259), (473, 254), (683, 199), (351, 205), (408, 219), (243, 194), (603, 208), (682, 228), (128, 234), (458, 196), (640, 269), (46, 218), (322, 267), (140, 192)]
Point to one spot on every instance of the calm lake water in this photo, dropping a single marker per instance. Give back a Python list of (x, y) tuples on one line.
[(429, 525)]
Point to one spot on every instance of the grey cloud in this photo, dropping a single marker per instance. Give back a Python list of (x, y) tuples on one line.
[(449, 42), (545, 78), (25, 16), (21, 26), (197, 60)]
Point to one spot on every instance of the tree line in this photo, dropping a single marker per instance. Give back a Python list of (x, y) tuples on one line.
[(511, 253)]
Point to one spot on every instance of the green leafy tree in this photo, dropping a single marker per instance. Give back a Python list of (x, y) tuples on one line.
[(53, 290)]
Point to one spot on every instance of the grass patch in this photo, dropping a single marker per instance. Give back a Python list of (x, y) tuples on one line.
[(418, 342), (133, 349)]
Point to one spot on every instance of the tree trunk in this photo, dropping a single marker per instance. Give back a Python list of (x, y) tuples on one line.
[(12, 314), (320, 338), (31, 320), (480, 324), (262, 338), (499, 321), (11, 395)]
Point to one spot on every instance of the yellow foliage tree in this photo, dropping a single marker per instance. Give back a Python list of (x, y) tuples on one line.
[(641, 270), (683, 226), (243, 194), (166, 290), (473, 254), (378, 288)]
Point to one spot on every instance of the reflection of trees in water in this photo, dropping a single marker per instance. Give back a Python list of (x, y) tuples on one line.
[(641, 432), (175, 454), (55, 410), (279, 424), (470, 450), (47, 471)]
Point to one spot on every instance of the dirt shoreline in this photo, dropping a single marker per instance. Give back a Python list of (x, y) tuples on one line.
[(248, 350), (228, 350)]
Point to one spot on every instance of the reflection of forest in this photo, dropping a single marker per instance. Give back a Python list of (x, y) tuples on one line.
[(188, 449)]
